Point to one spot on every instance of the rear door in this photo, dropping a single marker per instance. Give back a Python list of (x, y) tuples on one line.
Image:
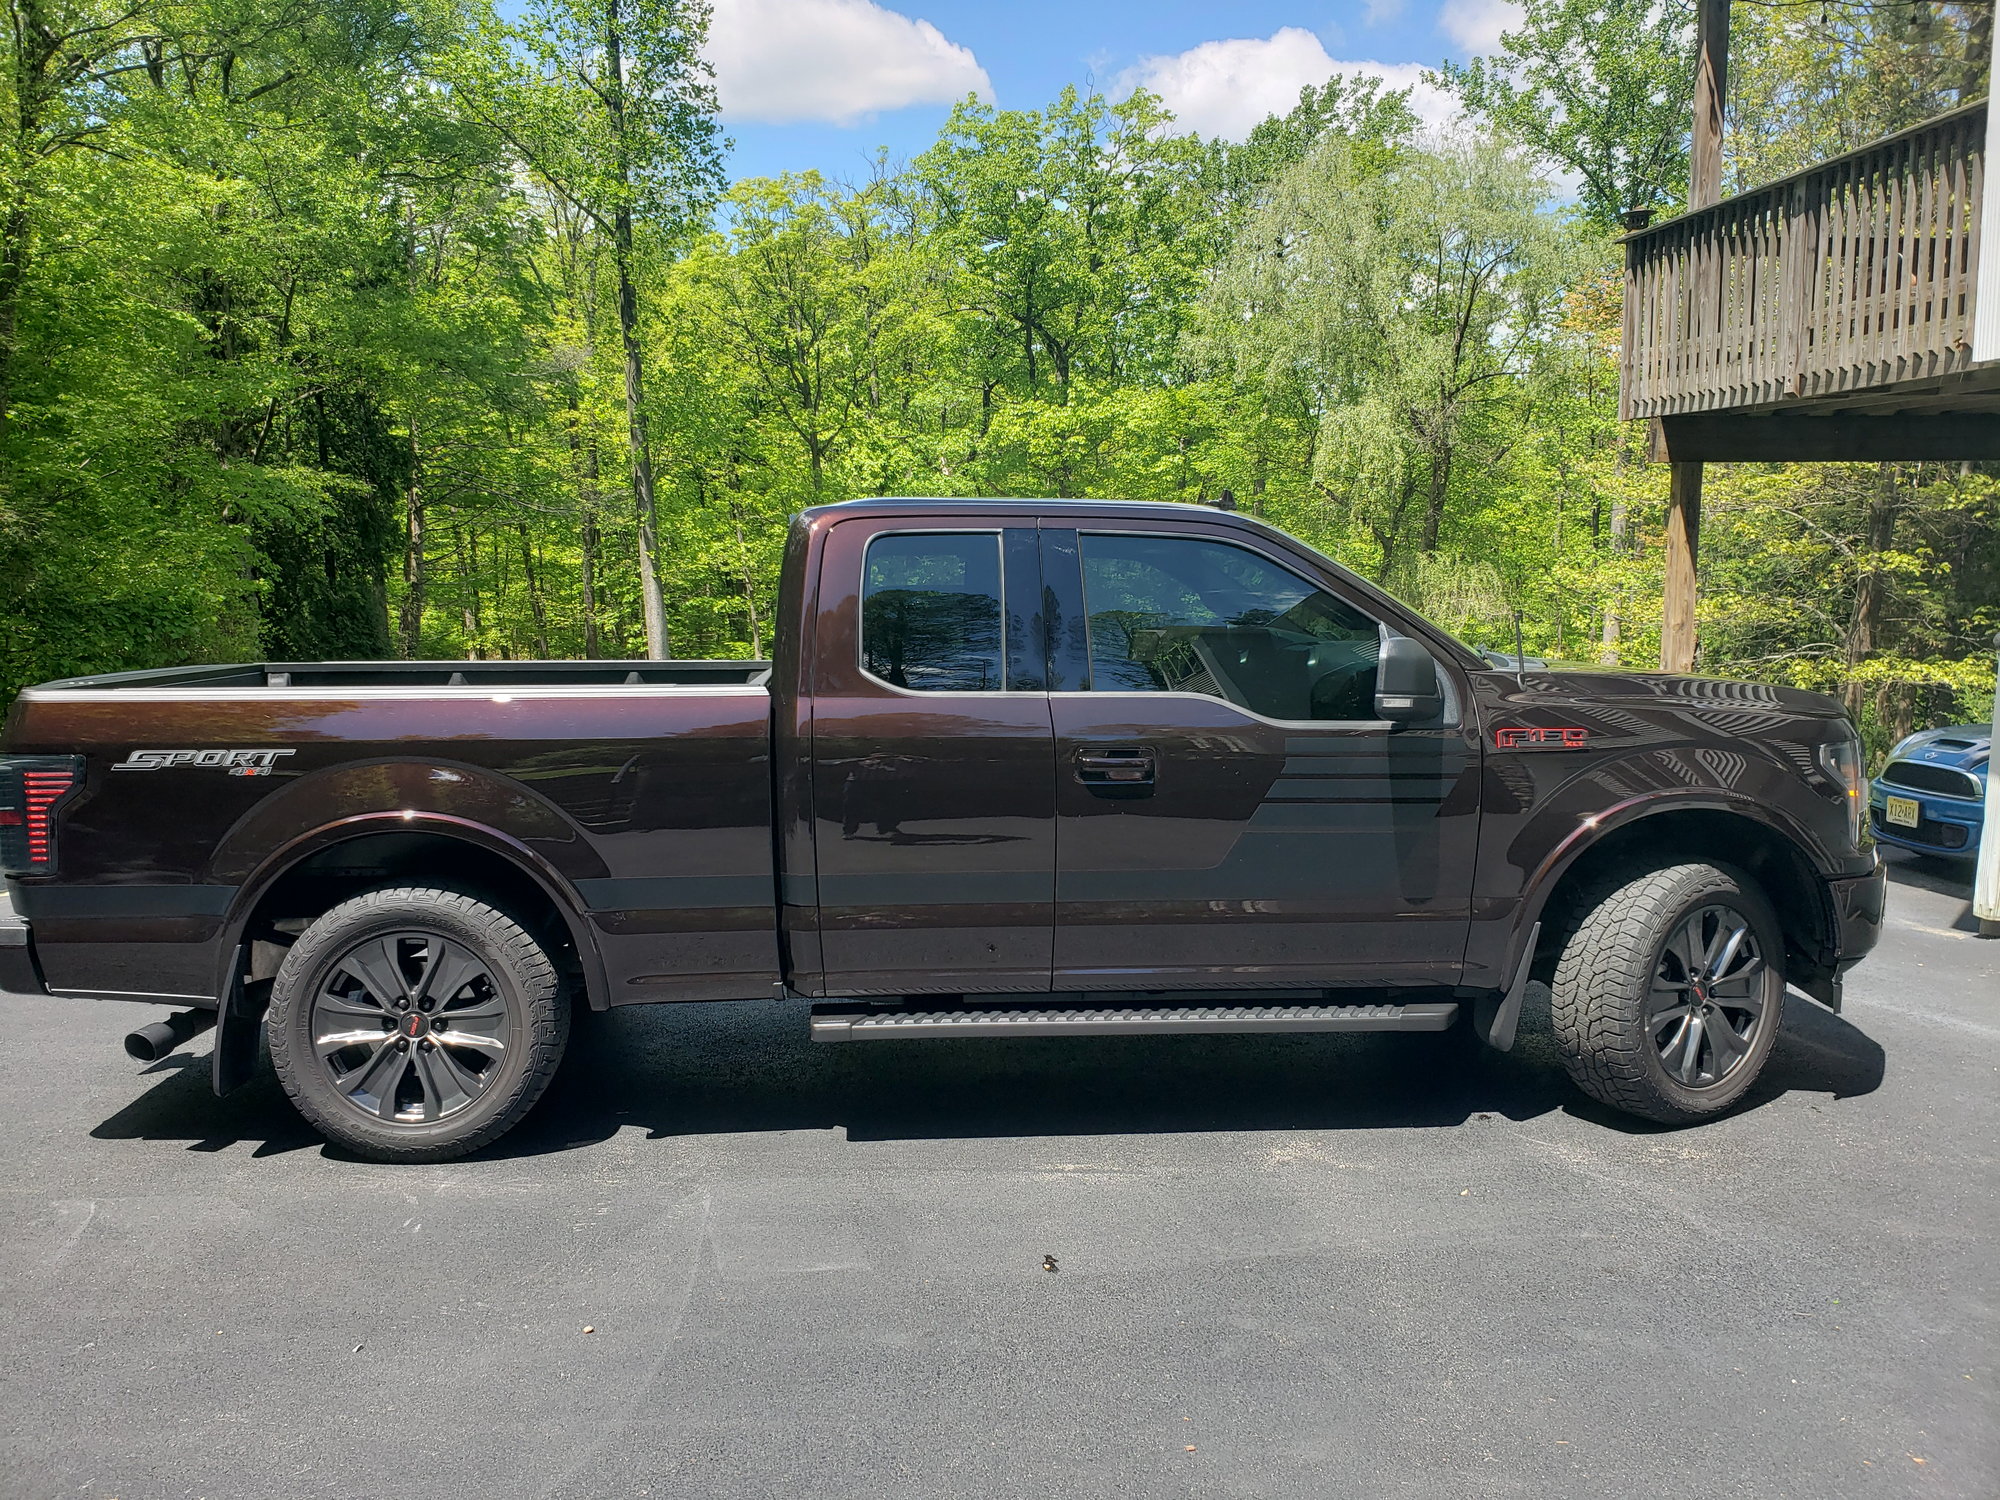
[(1230, 812), (932, 761)]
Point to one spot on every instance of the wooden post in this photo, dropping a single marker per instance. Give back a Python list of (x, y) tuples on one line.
[(1683, 547), (1711, 83), (1986, 307)]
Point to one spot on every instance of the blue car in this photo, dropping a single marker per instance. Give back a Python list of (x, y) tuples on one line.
[(1931, 795)]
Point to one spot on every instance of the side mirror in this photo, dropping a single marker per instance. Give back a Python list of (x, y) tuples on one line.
[(1406, 682)]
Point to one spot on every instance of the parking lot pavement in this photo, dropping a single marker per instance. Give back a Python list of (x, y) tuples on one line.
[(1294, 1266)]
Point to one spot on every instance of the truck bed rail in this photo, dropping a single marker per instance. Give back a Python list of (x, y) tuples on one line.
[(473, 675)]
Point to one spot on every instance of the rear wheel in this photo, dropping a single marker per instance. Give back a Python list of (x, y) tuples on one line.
[(416, 1024), (1669, 992)]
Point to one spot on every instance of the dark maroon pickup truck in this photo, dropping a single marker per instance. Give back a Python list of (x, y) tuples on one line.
[(1019, 768)]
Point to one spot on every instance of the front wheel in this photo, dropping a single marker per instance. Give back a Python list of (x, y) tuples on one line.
[(416, 1025), (1669, 992)]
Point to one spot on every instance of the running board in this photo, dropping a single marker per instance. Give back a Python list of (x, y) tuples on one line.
[(832, 1024)]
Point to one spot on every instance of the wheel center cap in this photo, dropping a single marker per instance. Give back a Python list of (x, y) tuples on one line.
[(415, 1024)]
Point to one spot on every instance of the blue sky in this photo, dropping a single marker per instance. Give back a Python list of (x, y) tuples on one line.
[(823, 83)]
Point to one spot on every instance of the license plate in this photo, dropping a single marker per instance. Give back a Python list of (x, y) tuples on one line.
[(1902, 811)]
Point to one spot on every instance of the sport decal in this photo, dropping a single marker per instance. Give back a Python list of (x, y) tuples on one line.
[(235, 762)]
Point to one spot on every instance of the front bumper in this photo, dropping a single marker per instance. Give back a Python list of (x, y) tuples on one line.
[(1857, 906), (18, 972)]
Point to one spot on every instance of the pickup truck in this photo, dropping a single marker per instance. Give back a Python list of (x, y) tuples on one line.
[(1018, 768)]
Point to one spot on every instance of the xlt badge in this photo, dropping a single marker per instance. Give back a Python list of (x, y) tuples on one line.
[(235, 762)]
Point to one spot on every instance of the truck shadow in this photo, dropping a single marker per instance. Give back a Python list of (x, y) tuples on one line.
[(747, 1066)]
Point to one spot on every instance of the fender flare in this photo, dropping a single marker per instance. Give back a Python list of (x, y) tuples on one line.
[(239, 1010), (1547, 876)]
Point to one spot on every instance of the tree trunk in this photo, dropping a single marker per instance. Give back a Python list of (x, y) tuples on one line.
[(657, 644), (583, 457), (1978, 48), (591, 644), (749, 592), (536, 607), (1871, 589), (35, 51), (1607, 650), (1440, 489), (416, 567), (13, 272), (468, 574)]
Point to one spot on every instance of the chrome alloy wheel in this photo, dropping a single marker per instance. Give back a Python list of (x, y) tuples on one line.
[(1708, 996), (410, 1027)]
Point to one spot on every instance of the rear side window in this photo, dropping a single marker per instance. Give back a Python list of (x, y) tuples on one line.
[(930, 612), (1177, 614)]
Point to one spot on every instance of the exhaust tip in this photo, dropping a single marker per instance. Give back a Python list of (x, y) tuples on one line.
[(151, 1043)]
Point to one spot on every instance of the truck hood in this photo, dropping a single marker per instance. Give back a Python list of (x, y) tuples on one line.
[(1673, 690)]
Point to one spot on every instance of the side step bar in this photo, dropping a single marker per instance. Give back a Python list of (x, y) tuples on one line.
[(834, 1024)]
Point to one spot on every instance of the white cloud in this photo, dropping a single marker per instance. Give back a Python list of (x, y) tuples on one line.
[(1476, 24), (781, 61), (1224, 88)]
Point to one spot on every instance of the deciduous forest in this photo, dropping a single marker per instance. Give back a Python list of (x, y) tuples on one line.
[(364, 328)]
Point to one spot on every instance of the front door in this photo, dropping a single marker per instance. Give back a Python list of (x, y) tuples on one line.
[(932, 780), (1230, 812)]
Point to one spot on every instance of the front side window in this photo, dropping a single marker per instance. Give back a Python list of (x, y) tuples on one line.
[(1177, 614), (930, 612)]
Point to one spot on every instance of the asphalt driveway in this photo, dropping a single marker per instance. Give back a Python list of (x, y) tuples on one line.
[(720, 1261)]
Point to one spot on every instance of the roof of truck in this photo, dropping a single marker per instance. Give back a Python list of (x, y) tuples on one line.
[(1024, 505)]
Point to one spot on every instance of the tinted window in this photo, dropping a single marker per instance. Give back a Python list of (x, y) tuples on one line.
[(930, 612), (1174, 614)]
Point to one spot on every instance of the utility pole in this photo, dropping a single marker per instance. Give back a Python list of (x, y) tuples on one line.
[(1711, 85)]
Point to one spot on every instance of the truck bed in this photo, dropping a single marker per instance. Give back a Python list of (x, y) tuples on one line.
[(637, 793)]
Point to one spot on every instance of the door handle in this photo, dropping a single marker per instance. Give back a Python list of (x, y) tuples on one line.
[(1115, 767)]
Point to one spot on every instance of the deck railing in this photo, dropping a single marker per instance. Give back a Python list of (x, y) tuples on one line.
[(1856, 273)]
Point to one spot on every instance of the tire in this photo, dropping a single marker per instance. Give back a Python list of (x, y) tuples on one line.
[(453, 1019), (1634, 965)]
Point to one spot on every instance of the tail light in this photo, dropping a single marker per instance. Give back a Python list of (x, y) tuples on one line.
[(31, 789)]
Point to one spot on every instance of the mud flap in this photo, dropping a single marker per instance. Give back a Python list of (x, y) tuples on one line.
[(1496, 1017), (239, 1021)]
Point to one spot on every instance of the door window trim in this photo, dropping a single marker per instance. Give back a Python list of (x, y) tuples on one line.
[(1448, 719), (999, 535)]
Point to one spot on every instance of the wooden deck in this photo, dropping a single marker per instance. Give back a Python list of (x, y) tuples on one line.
[(1848, 286)]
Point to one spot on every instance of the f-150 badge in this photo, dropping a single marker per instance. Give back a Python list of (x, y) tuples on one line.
[(1551, 739), (235, 762)]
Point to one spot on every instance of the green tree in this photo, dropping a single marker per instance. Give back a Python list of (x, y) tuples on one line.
[(1403, 306), (1808, 83), (1600, 89), (612, 109), (1080, 233)]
